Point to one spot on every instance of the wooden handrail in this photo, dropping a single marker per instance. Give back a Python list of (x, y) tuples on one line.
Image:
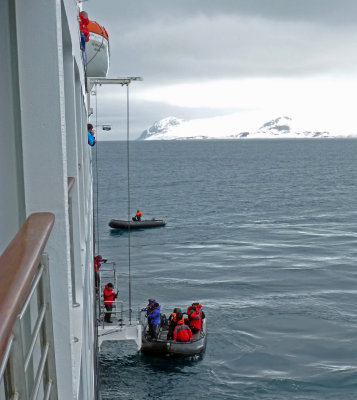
[(70, 182), (18, 266)]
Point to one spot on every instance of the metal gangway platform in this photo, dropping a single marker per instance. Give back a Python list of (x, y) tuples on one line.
[(126, 324)]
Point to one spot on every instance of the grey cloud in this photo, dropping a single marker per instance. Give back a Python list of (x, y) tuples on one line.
[(203, 48), (134, 13), (168, 41)]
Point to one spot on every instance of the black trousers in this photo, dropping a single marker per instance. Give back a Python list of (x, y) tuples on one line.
[(108, 307), (97, 280), (170, 333), (153, 330)]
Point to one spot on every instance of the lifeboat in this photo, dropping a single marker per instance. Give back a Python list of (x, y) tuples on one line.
[(97, 51)]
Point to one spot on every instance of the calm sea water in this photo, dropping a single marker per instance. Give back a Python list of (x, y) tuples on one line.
[(263, 234)]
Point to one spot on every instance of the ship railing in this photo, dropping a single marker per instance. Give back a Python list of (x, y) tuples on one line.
[(27, 363), (142, 318), (115, 311), (121, 315)]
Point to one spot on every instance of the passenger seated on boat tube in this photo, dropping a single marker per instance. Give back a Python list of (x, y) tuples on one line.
[(109, 297), (173, 319), (195, 316), (182, 332), (153, 315), (138, 216)]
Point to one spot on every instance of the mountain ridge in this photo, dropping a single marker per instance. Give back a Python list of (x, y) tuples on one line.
[(172, 128)]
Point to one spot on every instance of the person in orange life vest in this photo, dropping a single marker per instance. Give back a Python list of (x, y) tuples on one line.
[(173, 322), (182, 333), (109, 297), (195, 316), (83, 28), (138, 216)]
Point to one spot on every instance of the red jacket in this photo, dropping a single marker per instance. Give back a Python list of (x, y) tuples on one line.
[(182, 332), (83, 26), (195, 316), (97, 264), (108, 295)]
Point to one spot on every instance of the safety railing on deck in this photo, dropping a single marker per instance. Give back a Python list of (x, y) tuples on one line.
[(118, 313), (27, 367)]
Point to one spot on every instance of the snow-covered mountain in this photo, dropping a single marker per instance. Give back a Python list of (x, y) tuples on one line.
[(172, 128), (160, 128), (282, 127)]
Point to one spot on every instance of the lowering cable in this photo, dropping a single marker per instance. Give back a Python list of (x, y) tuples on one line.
[(96, 224), (122, 82), (128, 173)]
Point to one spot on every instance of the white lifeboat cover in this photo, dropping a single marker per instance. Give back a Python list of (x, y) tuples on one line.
[(97, 51)]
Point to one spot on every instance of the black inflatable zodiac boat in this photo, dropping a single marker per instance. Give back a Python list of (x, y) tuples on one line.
[(150, 223), (162, 347)]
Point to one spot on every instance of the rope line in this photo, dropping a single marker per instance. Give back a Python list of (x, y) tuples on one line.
[(128, 172), (96, 218), (96, 167)]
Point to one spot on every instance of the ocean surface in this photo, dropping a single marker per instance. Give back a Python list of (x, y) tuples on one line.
[(264, 234)]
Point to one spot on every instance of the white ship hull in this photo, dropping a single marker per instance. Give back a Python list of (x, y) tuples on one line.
[(46, 167)]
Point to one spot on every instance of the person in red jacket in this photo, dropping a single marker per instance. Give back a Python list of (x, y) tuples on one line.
[(195, 316), (182, 332), (98, 260), (109, 297), (83, 28), (173, 320)]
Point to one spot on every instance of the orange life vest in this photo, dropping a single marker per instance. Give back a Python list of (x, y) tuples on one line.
[(174, 318)]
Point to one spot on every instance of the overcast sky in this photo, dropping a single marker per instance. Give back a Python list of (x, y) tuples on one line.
[(207, 58)]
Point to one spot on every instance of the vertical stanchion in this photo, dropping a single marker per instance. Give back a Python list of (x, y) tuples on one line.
[(112, 81), (96, 168), (128, 170)]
